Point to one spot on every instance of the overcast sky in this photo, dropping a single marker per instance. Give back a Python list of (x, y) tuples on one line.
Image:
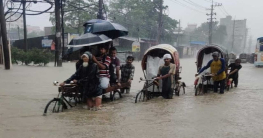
[(190, 13)]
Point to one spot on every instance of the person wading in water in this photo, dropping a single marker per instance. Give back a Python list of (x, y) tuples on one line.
[(166, 74)]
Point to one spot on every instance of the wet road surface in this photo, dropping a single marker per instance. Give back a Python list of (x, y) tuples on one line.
[(24, 92)]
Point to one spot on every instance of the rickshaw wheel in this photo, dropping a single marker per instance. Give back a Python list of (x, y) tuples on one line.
[(197, 88), (116, 95), (227, 88), (179, 89), (183, 89), (54, 106), (140, 97)]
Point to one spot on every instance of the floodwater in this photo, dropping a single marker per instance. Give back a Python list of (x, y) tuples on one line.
[(25, 90)]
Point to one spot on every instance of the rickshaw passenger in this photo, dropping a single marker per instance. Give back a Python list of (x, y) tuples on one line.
[(80, 61), (127, 73), (115, 64), (87, 78), (166, 73), (217, 66), (103, 62), (235, 67)]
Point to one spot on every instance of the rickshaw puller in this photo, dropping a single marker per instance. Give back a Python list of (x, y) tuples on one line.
[(217, 66), (166, 74)]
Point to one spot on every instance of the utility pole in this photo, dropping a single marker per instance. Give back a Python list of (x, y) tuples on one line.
[(4, 37), (58, 56), (18, 31), (160, 22), (138, 29), (24, 20), (1, 45), (62, 25), (100, 16), (233, 35), (212, 13), (78, 18), (179, 30)]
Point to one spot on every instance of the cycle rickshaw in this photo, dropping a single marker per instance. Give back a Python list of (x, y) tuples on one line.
[(150, 63), (203, 81)]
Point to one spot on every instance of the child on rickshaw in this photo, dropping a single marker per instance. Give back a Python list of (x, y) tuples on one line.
[(127, 73), (114, 67), (234, 68)]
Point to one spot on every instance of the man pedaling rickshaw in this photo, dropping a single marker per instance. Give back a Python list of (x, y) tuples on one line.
[(87, 78)]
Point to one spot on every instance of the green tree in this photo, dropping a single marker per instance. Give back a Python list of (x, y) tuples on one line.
[(140, 18), (77, 12)]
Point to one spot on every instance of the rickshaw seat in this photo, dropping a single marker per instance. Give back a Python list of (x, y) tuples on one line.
[(116, 87)]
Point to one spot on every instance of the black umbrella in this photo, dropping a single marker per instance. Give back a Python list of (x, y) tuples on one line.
[(112, 30), (94, 21), (87, 39)]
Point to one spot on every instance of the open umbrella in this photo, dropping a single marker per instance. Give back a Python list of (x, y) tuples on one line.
[(94, 21), (87, 39), (112, 30)]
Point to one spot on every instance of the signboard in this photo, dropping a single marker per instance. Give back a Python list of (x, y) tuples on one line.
[(136, 46), (46, 42)]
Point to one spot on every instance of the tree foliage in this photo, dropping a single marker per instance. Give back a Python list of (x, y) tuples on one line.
[(201, 33), (140, 17), (35, 56), (77, 12)]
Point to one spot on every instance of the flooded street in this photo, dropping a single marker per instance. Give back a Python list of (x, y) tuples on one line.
[(25, 91)]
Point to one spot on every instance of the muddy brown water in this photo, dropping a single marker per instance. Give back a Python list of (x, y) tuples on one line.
[(24, 92)]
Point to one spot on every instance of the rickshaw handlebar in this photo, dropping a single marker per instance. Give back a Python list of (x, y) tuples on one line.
[(154, 79)]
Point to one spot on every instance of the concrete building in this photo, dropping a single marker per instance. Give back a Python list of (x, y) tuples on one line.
[(31, 29), (190, 27), (48, 31), (239, 28)]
